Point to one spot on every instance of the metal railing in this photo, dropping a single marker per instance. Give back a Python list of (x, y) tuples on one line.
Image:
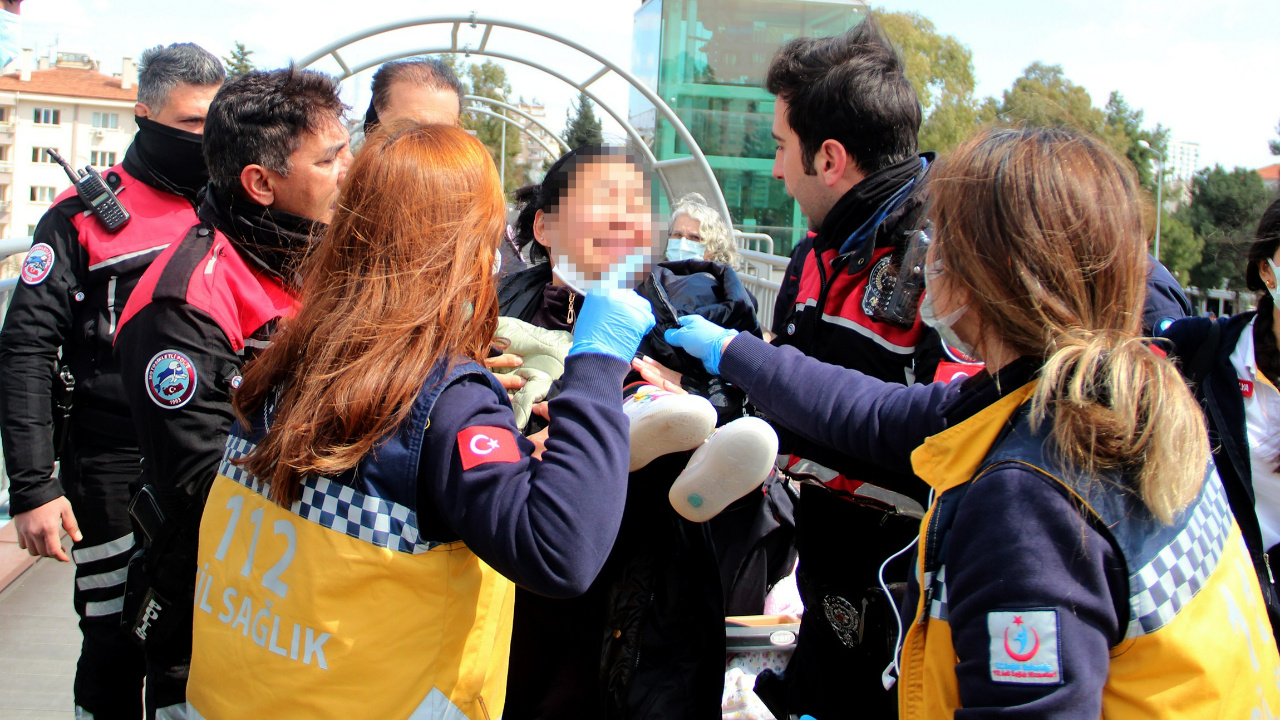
[(760, 271)]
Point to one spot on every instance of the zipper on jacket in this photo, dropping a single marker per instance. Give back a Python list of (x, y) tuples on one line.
[(569, 316), (635, 665)]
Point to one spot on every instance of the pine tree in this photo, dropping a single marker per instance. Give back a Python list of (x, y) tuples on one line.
[(582, 127), (238, 63)]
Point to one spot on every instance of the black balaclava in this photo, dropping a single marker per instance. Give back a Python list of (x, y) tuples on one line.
[(175, 158)]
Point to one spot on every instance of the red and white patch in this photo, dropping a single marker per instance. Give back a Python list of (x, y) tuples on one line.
[(1246, 387), (952, 371), (487, 444), (38, 264), (1024, 647)]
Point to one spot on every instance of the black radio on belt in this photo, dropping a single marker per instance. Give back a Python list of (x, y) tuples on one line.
[(96, 193)]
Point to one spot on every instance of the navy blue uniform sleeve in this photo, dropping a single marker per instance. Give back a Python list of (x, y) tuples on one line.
[(843, 409), (547, 525), (1165, 298), (1018, 546), (181, 444), (38, 321)]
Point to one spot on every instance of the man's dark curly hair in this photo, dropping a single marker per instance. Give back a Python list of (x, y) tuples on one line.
[(851, 88)]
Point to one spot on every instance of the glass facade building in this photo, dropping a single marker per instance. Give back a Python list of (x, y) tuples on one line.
[(707, 59)]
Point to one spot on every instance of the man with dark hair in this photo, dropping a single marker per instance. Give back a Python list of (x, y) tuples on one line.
[(277, 150), (77, 277), (845, 122), (424, 89)]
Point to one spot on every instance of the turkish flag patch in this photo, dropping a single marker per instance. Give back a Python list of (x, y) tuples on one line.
[(487, 444)]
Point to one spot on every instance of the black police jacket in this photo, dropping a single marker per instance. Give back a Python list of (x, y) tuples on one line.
[(75, 286), (1204, 347)]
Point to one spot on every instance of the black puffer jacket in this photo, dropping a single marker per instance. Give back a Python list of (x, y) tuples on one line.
[(647, 639), (714, 291)]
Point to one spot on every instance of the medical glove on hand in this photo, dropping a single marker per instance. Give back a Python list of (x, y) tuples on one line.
[(612, 324), (700, 338)]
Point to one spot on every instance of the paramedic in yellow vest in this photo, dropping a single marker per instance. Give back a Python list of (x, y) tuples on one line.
[(376, 500), (1079, 558)]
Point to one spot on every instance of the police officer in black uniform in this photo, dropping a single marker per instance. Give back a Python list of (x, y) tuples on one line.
[(277, 150), (74, 284)]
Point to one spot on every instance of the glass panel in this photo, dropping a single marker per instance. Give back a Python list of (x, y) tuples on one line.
[(712, 57)]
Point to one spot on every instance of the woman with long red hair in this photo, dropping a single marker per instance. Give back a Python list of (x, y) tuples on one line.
[(375, 490)]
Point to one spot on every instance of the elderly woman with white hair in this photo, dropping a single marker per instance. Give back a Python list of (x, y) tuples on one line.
[(698, 232)]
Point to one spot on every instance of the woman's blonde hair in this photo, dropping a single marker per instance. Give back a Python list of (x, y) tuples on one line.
[(1047, 231), (715, 233)]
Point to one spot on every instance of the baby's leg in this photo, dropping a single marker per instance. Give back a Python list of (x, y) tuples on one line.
[(663, 422), (731, 463)]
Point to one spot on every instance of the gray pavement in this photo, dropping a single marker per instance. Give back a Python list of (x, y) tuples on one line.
[(39, 644)]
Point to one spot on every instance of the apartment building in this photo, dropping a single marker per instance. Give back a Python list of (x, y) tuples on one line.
[(533, 157), (1181, 163), (65, 104)]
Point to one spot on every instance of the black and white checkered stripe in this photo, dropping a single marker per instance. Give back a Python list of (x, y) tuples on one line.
[(938, 607), (339, 507), (1162, 587)]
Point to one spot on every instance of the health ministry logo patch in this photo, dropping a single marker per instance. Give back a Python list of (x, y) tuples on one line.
[(171, 379), (1024, 647), (38, 264)]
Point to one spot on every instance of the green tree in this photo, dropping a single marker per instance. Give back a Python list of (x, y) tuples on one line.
[(1181, 250), (1044, 97), (1275, 144), (238, 63), (940, 68), (489, 79), (582, 126), (1128, 121), (1224, 210)]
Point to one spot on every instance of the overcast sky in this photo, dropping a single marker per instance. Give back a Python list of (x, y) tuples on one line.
[(1210, 71)]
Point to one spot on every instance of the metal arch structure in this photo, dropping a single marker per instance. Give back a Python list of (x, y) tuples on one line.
[(564, 147), (697, 158), (510, 121)]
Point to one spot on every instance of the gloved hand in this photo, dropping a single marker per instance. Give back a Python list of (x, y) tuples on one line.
[(700, 338), (612, 324)]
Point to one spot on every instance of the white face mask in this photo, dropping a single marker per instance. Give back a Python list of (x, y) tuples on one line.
[(682, 249), (625, 274), (1275, 291), (945, 325)]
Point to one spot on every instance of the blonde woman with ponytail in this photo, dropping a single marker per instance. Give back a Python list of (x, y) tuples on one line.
[(1078, 558)]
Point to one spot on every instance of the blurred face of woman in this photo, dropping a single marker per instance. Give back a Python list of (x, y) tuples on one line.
[(684, 241), (605, 221)]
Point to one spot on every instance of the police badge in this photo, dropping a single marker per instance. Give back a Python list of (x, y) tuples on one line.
[(843, 618)]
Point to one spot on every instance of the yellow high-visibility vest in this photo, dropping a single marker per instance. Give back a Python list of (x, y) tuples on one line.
[(334, 608)]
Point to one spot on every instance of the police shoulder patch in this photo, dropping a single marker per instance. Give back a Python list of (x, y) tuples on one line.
[(1024, 647), (880, 284), (171, 379), (38, 264)]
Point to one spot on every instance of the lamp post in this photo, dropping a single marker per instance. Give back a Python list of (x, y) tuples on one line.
[(1159, 193)]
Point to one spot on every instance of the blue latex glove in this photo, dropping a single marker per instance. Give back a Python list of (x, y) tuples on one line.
[(700, 338), (612, 324)]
